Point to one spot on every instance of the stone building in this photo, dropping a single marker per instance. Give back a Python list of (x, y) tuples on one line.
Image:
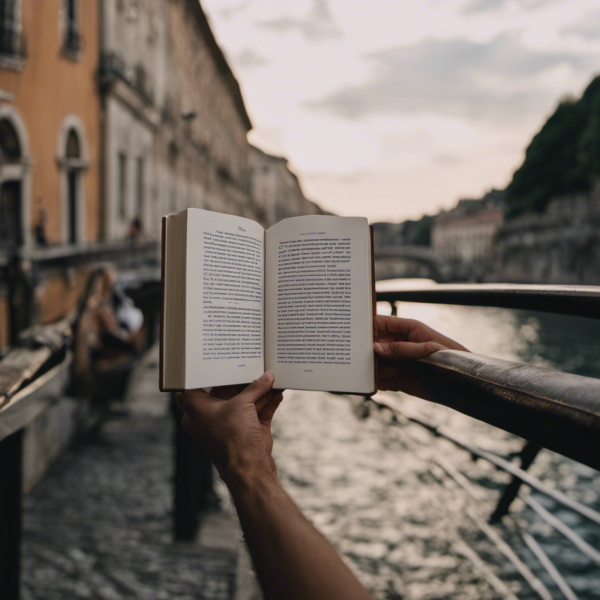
[(49, 143), (175, 124), (467, 233), (201, 148), (122, 112), (275, 190), (558, 246), (133, 85)]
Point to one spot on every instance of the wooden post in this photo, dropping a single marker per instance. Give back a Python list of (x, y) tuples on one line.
[(528, 454), (193, 482), (11, 514)]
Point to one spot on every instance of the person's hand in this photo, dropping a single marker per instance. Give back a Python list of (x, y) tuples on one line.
[(401, 340), (233, 425)]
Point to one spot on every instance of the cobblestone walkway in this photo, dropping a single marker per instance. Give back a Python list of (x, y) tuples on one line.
[(98, 526)]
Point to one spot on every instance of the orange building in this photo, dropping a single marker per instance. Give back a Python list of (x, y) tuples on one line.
[(49, 130)]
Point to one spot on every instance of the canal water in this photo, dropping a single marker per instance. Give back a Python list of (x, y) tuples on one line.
[(380, 489)]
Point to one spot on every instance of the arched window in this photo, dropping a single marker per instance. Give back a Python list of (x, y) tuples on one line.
[(9, 142), (11, 186)]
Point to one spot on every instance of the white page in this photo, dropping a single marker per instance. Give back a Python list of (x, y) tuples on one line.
[(224, 301), (318, 304)]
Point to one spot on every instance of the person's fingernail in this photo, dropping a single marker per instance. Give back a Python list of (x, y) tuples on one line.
[(378, 347), (267, 377)]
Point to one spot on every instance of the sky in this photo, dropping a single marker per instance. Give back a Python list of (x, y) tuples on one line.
[(392, 109)]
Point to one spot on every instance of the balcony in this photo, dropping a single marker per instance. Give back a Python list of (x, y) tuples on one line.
[(137, 78), (72, 43)]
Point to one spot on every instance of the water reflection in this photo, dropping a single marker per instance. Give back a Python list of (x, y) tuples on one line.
[(376, 490)]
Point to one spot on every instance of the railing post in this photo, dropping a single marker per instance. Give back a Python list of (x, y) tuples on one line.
[(193, 482), (528, 454), (11, 514)]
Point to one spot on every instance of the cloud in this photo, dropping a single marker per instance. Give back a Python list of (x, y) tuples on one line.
[(588, 29), (479, 6), (446, 160), (500, 79), (482, 6), (248, 59), (317, 25), (231, 11)]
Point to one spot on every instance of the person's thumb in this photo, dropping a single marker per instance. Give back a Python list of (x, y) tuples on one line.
[(406, 350), (258, 388)]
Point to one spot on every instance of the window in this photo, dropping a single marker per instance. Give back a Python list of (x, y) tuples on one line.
[(11, 228), (72, 39), (140, 188), (11, 43), (10, 148), (73, 156), (122, 185)]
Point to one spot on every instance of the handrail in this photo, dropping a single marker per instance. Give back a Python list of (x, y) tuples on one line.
[(532, 482), (576, 300), (24, 363), (558, 411)]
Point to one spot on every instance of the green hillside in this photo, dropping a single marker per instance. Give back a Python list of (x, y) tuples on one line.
[(563, 157)]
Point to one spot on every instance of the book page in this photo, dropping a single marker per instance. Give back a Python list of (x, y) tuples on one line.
[(319, 320), (224, 302)]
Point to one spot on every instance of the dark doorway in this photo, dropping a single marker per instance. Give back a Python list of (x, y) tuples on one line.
[(72, 182), (11, 231), (73, 156)]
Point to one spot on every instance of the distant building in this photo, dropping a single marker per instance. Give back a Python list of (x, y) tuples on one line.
[(49, 146), (467, 233), (201, 149), (275, 190)]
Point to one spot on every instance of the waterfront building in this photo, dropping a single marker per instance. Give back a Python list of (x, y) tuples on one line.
[(133, 87), (201, 148), (467, 233), (49, 145), (276, 192)]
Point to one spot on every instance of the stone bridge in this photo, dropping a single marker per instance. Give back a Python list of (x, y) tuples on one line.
[(411, 262)]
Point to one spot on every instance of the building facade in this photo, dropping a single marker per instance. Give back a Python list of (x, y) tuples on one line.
[(49, 138), (467, 234), (114, 113), (276, 192), (133, 87), (201, 149)]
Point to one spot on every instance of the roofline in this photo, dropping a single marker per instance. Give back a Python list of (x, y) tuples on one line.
[(222, 64), (274, 157)]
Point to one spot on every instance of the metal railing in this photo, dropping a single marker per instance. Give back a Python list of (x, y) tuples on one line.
[(548, 408)]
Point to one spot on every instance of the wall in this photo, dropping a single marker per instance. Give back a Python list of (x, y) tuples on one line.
[(45, 91), (134, 89), (559, 246), (276, 193), (201, 150)]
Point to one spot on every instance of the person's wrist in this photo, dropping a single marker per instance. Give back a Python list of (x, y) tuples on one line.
[(245, 482)]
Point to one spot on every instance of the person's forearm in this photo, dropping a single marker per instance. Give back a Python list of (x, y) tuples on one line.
[(292, 559)]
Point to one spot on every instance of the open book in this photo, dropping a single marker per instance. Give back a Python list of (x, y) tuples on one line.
[(295, 299)]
